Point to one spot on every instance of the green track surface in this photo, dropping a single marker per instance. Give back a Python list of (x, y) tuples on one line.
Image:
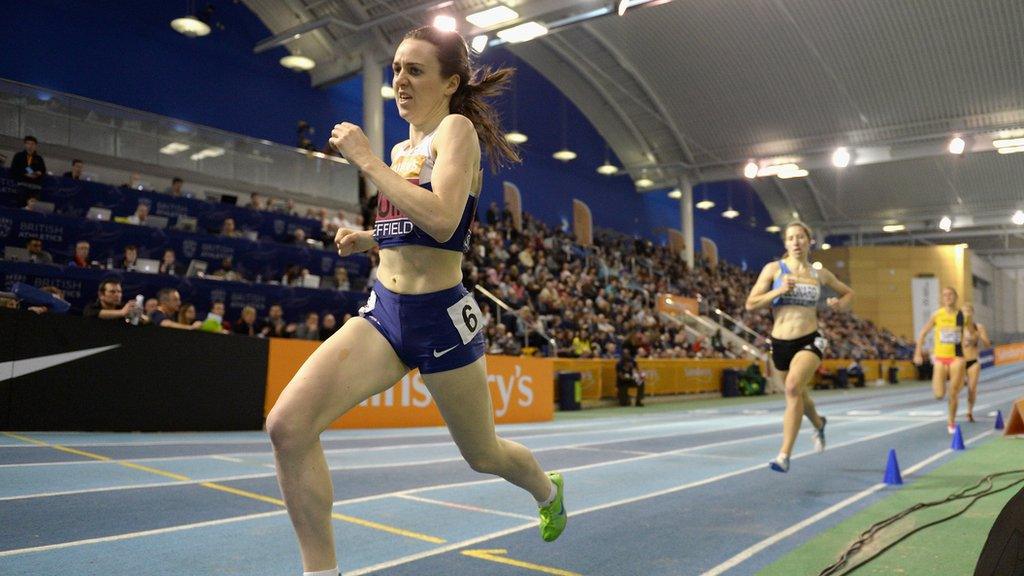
[(951, 547)]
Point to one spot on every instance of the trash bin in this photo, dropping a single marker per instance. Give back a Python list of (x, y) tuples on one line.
[(894, 375), (730, 382), (570, 390)]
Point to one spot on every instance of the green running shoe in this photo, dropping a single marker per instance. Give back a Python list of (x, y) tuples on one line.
[(553, 516)]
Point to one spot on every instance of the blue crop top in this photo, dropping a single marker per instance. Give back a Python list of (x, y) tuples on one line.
[(802, 294), (393, 228)]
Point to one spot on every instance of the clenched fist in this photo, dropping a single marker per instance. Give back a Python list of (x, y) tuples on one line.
[(349, 140), (350, 241)]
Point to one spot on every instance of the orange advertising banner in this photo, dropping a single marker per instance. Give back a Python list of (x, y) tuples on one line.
[(521, 391), (583, 223), (1009, 353)]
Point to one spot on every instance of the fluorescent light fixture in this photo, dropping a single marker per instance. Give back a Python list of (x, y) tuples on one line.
[(387, 92), (817, 266), (644, 182), (190, 26), (479, 43), (750, 170), (946, 224), (676, 194), (962, 246), (565, 155), (1011, 150), (298, 63), (1018, 218), (607, 169), (730, 213), (445, 23), (775, 169), (957, 145), (523, 32), (841, 157), (623, 5), (516, 137), (826, 246), (173, 148), (1008, 143), (893, 228), (787, 174), (211, 152), (492, 16), (705, 204), (772, 229)]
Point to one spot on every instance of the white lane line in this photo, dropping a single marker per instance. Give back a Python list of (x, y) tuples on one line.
[(465, 507), (477, 540), (767, 542), (863, 412), (926, 413), (227, 458)]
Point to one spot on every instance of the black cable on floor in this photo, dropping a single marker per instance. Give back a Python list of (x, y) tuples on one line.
[(837, 567)]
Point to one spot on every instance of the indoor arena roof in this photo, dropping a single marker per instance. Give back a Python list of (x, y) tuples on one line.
[(696, 89)]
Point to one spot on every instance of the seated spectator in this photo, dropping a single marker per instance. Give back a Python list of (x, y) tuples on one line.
[(628, 375), (129, 262), (108, 306), (28, 166), (8, 301), (134, 182), (175, 189), (81, 259), (275, 326), (328, 326), (36, 254), (149, 306), (49, 298), (341, 220), (256, 202), (214, 321), (310, 329), (337, 282), (141, 213), (169, 303), (76, 170), (169, 264), (293, 275), (226, 271), (246, 323), (228, 229), (856, 372), (187, 314), (299, 237)]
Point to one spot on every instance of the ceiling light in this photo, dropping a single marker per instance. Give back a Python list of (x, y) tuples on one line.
[(705, 204), (893, 228), (516, 137), (817, 266), (787, 174), (750, 170), (826, 246), (623, 4), (1018, 218), (946, 224), (211, 152), (173, 148), (607, 168), (445, 23), (840, 158), (773, 229), (1008, 143), (957, 145), (387, 92), (774, 169), (190, 26), (523, 32), (676, 194), (644, 182), (479, 43), (730, 213), (565, 155), (1011, 150), (492, 16), (298, 63)]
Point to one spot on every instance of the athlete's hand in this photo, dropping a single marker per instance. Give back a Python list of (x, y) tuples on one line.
[(350, 241), (788, 283), (918, 359), (349, 140), (833, 303)]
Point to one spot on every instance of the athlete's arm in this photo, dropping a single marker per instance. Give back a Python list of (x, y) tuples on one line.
[(983, 335), (761, 294), (844, 291), (918, 359), (439, 211)]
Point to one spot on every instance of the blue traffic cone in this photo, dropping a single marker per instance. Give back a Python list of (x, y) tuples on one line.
[(999, 419), (958, 440), (892, 470)]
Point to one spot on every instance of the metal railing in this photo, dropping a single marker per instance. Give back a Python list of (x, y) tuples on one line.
[(118, 132), (517, 315)]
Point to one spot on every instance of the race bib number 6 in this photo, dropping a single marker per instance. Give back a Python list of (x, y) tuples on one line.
[(466, 317)]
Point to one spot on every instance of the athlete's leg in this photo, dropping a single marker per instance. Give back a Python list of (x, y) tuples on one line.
[(956, 383), (352, 365), (939, 373), (801, 370), (973, 376)]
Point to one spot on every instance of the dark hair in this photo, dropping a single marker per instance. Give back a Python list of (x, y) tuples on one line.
[(475, 87), (76, 161), (165, 294), (176, 180), (30, 139), (109, 281)]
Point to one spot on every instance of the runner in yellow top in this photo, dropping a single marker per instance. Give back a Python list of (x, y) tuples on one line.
[(948, 323), (974, 334)]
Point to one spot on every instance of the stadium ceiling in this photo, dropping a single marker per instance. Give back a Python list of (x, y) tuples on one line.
[(695, 89)]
